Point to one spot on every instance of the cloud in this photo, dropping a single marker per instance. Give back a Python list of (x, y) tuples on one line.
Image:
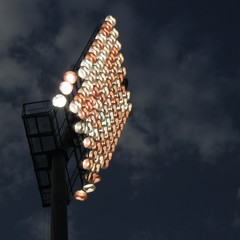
[(36, 226), (15, 17)]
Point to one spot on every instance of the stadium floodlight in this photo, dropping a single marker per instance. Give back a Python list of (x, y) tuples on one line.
[(73, 138), (101, 102)]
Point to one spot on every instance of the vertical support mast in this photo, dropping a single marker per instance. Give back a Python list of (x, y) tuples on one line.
[(59, 225)]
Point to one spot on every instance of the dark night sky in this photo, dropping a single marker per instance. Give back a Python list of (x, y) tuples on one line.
[(176, 172)]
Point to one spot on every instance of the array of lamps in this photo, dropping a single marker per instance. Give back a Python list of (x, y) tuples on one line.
[(101, 104)]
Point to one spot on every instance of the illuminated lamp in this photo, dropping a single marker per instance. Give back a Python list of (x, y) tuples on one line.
[(112, 58), (87, 164), (91, 56), (65, 88), (95, 91), (101, 160), (93, 50), (98, 105), (128, 95), (89, 128), (124, 70), (111, 19), (89, 142), (105, 51), (96, 68), (70, 77), (113, 148), (118, 45), (92, 99), (105, 164), (82, 115), (88, 188), (112, 39), (84, 91), (89, 106), (121, 77), (79, 127), (102, 57), (105, 131), (80, 195), (130, 107), (102, 137), (93, 178), (115, 51), (88, 85), (119, 133), (102, 77), (109, 156), (98, 43), (92, 154), (108, 146), (95, 113), (127, 114), (109, 64), (110, 44), (120, 57), (74, 107), (99, 124), (121, 126), (96, 167), (118, 63), (120, 94), (114, 33), (99, 64), (108, 120), (104, 31), (105, 110), (79, 97), (83, 72), (94, 134), (109, 83), (101, 37), (107, 25), (86, 63), (104, 91), (91, 77), (59, 101), (120, 114)]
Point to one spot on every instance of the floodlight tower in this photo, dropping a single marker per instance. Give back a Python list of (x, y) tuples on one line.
[(75, 137)]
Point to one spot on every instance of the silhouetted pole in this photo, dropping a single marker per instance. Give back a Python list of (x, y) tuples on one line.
[(59, 224)]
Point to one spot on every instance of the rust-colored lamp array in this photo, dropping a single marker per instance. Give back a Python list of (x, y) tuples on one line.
[(101, 103)]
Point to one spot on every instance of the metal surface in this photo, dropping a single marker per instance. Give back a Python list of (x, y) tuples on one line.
[(59, 225)]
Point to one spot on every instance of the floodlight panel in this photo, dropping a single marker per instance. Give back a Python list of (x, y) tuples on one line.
[(101, 102)]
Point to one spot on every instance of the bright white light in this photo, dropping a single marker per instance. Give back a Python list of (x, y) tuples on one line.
[(111, 19), (70, 76), (89, 188), (86, 63), (66, 88), (130, 107), (101, 37), (121, 58), (128, 95), (79, 127), (124, 70), (59, 101), (83, 72), (118, 45), (74, 107), (115, 33)]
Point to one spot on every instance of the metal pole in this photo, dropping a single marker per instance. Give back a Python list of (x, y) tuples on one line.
[(59, 225)]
